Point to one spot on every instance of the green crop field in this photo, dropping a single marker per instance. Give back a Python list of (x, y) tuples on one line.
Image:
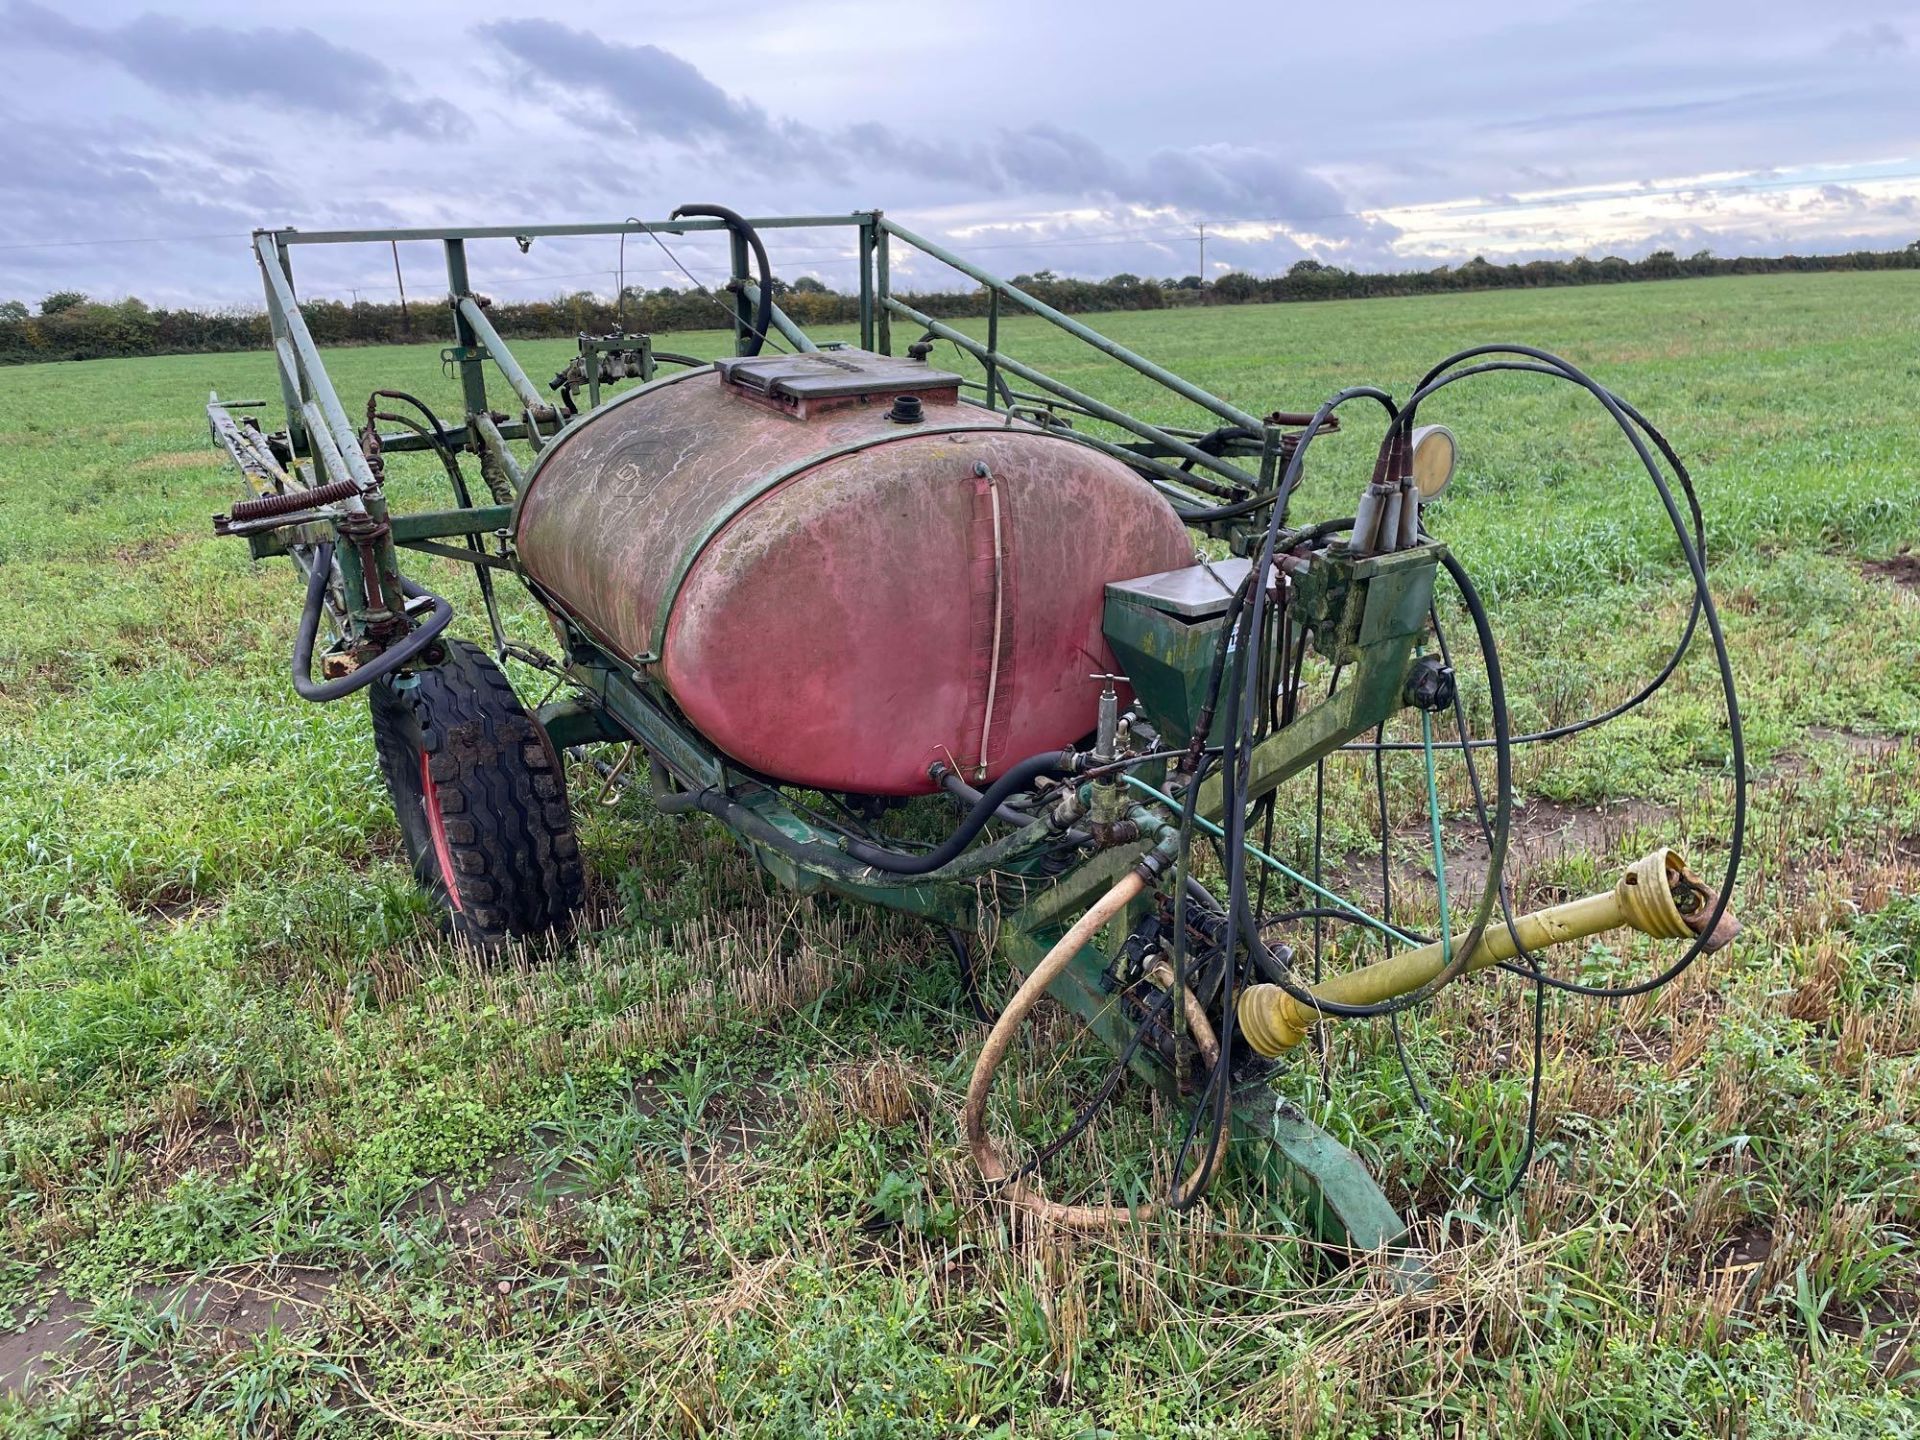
[(277, 1159)]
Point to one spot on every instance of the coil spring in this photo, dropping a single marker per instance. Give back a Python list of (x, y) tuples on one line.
[(268, 506)]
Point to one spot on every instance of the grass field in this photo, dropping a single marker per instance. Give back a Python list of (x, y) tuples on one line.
[(277, 1160)]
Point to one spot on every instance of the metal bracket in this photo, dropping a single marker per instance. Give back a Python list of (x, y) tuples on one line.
[(453, 355)]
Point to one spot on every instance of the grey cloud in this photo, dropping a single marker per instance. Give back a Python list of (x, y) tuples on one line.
[(1232, 180), (657, 93), (1048, 159), (870, 145), (1879, 38), (654, 94), (286, 68)]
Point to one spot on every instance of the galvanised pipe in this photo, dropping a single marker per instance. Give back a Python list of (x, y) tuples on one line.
[(1073, 327)]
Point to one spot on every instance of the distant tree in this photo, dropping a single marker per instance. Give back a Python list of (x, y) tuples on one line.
[(73, 327)]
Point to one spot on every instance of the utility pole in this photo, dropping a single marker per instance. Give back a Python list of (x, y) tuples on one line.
[(406, 321), (1203, 252)]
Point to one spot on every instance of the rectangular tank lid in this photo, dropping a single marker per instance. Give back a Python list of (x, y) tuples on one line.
[(1194, 593), (831, 374)]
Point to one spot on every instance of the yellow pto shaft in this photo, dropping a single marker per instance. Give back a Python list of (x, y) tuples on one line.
[(1656, 896)]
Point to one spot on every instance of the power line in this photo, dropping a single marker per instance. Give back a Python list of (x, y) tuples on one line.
[(117, 240)]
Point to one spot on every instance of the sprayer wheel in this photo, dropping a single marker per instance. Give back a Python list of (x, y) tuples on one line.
[(481, 799)]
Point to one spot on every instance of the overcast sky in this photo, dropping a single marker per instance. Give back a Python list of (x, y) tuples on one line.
[(1086, 138)]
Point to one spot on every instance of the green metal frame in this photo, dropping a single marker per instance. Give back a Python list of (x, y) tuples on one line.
[(1367, 614)]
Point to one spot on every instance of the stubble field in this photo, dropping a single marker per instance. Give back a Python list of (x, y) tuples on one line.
[(275, 1158)]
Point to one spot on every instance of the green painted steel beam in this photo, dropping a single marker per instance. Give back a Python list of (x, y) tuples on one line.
[(523, 386), (439, 524), (1382, 607), (538, 232), (495, 438), (866, 282), (292, 389), (298, 349), (473, 375), (782, 322), (1099, 409), (1347, 1203), (1073, 327)]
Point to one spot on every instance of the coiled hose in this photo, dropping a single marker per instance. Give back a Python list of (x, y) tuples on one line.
[(385, 663), (986, 1155)]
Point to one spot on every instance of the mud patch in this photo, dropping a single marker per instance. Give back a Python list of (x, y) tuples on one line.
[(476, 1220), (1868, 747), (1543, 829), (1891, 1320), (248, 1301), (39, 1348), (1540, 831), (230, 1305), (1902, 569), (1747, 1248)]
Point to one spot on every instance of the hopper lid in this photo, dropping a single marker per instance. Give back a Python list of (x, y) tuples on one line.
[(832, 374)]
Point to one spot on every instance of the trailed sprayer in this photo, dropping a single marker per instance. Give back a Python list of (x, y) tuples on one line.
[(974, 644)]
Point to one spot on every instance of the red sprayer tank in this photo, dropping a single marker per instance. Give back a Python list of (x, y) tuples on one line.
[(837, 585)]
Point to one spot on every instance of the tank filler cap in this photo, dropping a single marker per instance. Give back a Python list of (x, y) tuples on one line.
[(906, 410)]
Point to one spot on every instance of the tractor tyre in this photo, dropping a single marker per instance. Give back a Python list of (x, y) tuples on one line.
[(481, 798)]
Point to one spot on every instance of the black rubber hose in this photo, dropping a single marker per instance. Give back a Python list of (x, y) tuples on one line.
[(1703, 595), (763, 317), (951, 782), (1020, 777), (389, 660)]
